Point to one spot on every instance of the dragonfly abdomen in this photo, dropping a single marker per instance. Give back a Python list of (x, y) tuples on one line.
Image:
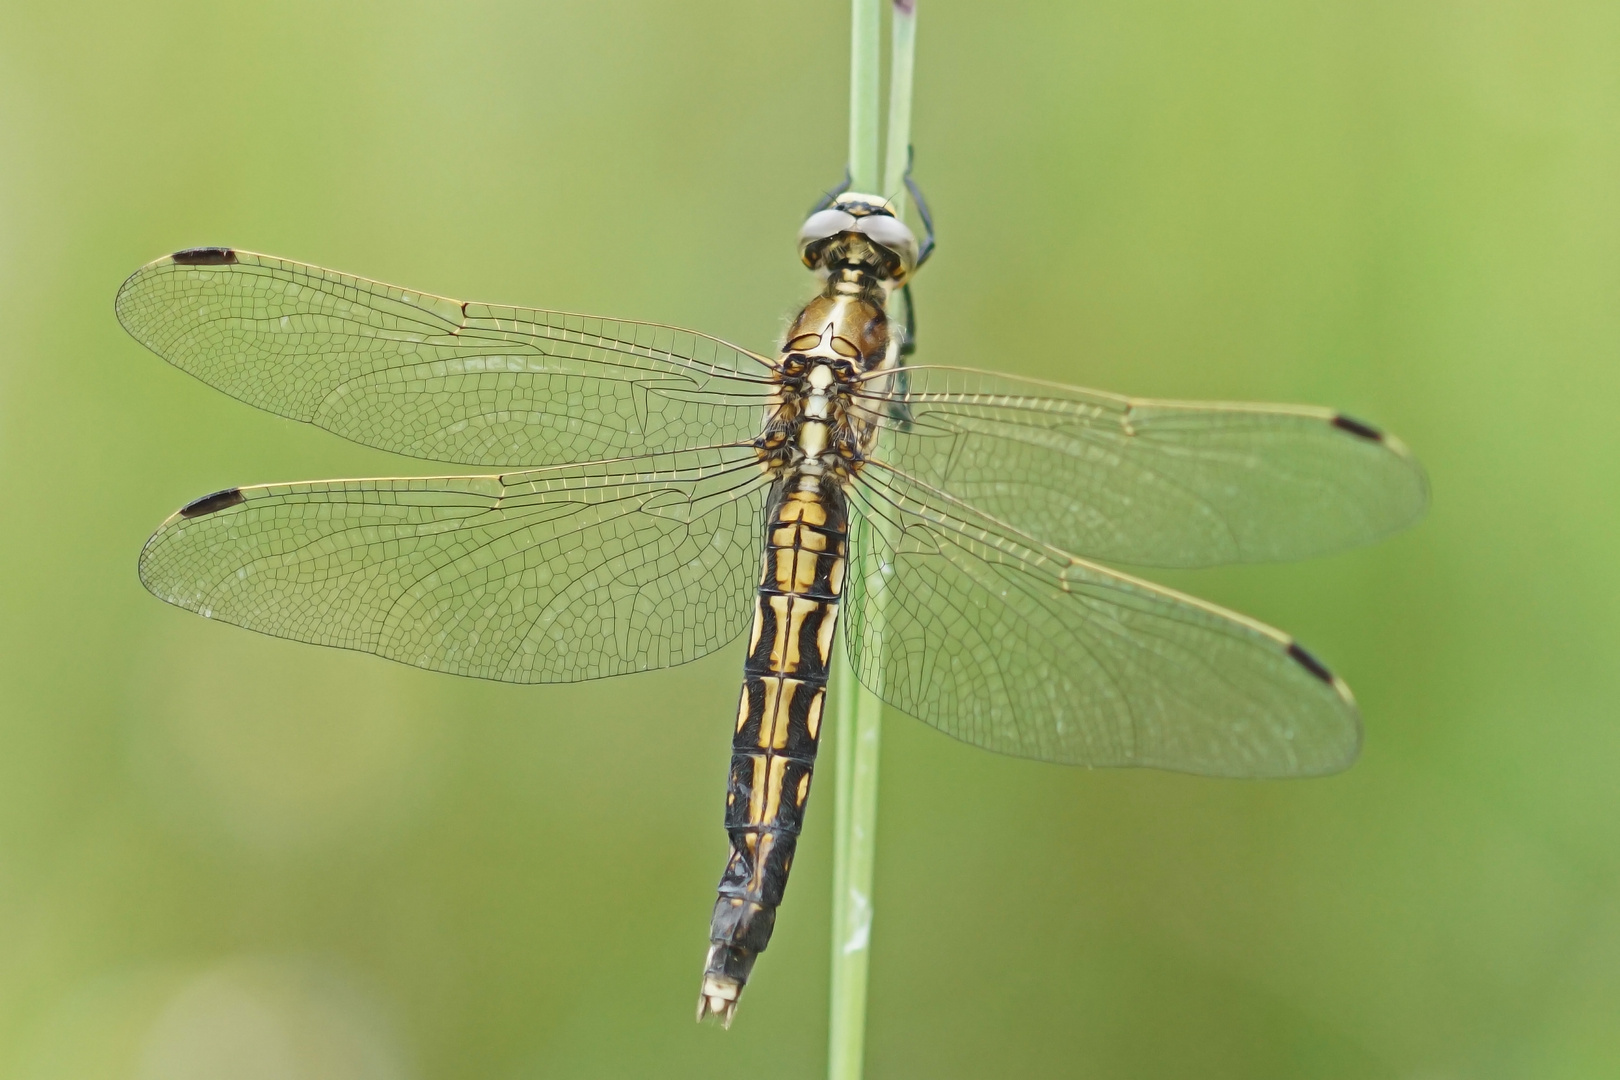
[(778, 726)]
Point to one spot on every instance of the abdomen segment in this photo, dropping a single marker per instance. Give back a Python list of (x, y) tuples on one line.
[(778, 727)]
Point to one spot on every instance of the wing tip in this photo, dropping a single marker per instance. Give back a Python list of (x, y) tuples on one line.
[(1373, 434), (1417, 475), (1323, 674), (197, 256)]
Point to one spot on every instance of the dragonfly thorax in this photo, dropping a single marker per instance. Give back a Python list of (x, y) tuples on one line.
[(836, 345), (807, 426)]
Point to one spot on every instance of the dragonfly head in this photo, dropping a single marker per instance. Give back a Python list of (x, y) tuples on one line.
[(854, 217)]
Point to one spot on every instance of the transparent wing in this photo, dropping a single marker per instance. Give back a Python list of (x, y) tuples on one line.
[(1020, 648), (436, 378), (1150, 483), (555, 575)]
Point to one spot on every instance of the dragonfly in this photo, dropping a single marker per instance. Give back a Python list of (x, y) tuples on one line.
[(646, 495)]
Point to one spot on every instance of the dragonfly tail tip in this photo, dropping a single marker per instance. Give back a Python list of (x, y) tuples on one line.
[(722, 1008), (719, 997)]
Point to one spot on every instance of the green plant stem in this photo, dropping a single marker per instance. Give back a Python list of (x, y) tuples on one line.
[(858, 715), (857, 710), (864, 58), (902, 54)]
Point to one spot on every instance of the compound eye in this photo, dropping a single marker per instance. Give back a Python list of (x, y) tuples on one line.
[(892, 234), (825, 223)]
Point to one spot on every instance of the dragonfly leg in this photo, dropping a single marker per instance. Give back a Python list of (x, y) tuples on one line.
[(908, 344), (927, 248)]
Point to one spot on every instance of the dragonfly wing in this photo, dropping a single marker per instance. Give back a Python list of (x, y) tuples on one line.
[(437, 378), (1150, 483), (553, 575), (1017, 647)]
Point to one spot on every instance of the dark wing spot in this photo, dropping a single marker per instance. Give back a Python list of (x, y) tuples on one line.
[(209, 504), (207, 256), (1356, 427), (1310, 663)]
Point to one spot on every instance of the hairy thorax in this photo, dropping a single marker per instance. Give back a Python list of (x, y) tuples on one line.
[(819, 423)]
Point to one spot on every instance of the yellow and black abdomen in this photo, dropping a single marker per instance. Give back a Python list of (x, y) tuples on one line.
[(778, 724)]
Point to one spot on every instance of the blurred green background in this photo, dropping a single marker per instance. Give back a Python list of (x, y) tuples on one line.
[(223, 855)]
